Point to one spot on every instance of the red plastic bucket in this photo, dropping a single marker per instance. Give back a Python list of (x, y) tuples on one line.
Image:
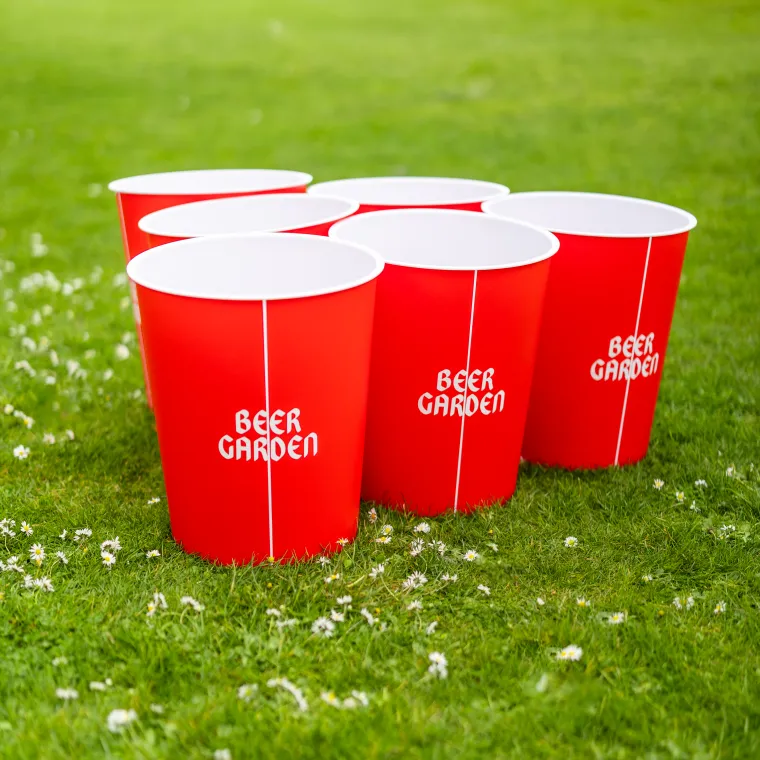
[(277, 212), (146, 193), (258, 350), (456, 326), (609, 305), (384, 193)]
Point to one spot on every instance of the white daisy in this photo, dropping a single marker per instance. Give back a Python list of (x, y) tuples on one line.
[(21, 452), (571, 541), (247, 691), (37, 553), (450, 578), (26, 528), (471, 555), (337, 617), (292, 689), (98, 686), (540, 602), (109, 559), (344, 600), (730, 471), (648, 578), (700, 483), (422, 527), (122, 352), (112, 544), (679, 497), (152, 553), (323, 560), (415, 605), (372, 515), (430, 630), (67, 694), (438, 665), (484, 589), (570, 653), (377, 571), (332, 578), (69, 434), (415, 580), (658, 484), (581, 601), (45, 584), (273, 612), (8, 409), (720, 608), (119, 719), (286, 623), (154, 500), (383, 540), (61, 556), (386, 530), (417, 547), (222, 754), (323, 626), (616, 618), (368, 616), (190, 602), (48, 439)]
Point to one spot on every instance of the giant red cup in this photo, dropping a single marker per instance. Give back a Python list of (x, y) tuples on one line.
[(456, 325), (141, 195), (258, 350), (386, 193), (279, 212), (609, 304)]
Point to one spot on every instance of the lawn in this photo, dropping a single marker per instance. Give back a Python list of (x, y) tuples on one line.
[(653, 99)]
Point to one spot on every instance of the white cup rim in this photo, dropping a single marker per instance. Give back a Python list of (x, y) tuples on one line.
[(545, 244), (682, 221), (360, 189), (211, 217), (209, 181), (204, 262)]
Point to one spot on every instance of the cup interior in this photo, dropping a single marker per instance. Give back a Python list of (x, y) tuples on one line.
[(210, 182), (278, 212), (593, 214), (254, 267), (445, 239), (410, 191)]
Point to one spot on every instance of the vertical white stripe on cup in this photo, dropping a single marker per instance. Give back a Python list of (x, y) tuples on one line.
[(269, 441), (635, 334), (464, 398)]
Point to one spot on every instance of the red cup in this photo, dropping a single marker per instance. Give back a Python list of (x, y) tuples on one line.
[(280, 212), (144, 194), (258, 350), (456, 326), (609, 304), (387, 193)]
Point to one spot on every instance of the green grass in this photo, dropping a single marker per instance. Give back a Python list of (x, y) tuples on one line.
[(655, 99)]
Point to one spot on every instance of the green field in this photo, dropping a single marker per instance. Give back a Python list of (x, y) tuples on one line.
[(654, 99)]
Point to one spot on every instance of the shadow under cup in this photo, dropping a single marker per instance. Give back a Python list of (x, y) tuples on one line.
[(456, 325), (609, 306), (258, 350)]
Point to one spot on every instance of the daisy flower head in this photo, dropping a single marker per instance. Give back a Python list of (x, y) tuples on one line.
[(273, 612), (154, 500), (700, 483), (720, 608), (61, 556), (122, 352), (8, 409), (386, 530), (112, 544), (415, 580), (571, 542), (109, 559), (730, 471), (222, 754), (471, 555), (26, 528), (430, 630), (247, 692), (680, 497), (337, 617), (689, 602), (292, 689), (343, 542), (414, 605), (289, 623), (493, 547), (189, 601), (582, 602), (372, 515), (449, 578), (98, 686), (119, 719), (439, 666), (344, 600), (45, 584), (417, 547), (422, 527), (158, 709), (69, 434), (160, 600), (28, 422), (332, 578), (21, 452), (58, 661), (616, 618), (658, 484), (67, 694), (151, 609), (323, 560), (368, 616), (377, 571), (484, 589), (153, 553), (570, 653), (323, 626), (383, 540), (82, 533), (694, 507), (48, 439), (361, 697), (329, 698), (648, 578), (540, 602), (37, 553)]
